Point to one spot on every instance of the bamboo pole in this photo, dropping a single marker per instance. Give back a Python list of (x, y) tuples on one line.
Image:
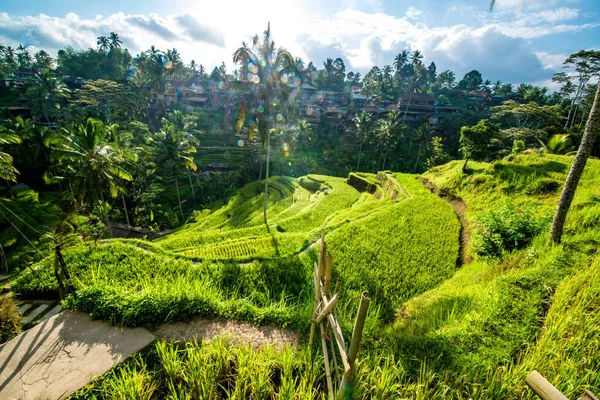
[(326, 358), (359, 324), (542, 388), (316, 306), (328, 268), (328, 308), (332, 348)]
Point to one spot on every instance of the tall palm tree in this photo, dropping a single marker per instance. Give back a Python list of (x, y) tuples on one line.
[(386, 131), (416, 58), (45, 93), (115, 41), (421, 136), (271, 93), (7, 171), (184, 123), (103, 43), (90, 160), (363, 123), (401, 59), (585, 148), (9, 55), (172, 149)]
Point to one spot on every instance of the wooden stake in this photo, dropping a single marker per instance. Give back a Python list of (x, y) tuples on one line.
[(542, 387), (326, 358)]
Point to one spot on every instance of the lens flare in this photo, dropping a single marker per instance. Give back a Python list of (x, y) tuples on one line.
[(297, 81), (167, 64), (240, 143), (284, 79), (256, 79), (221, 85), (261, 109), (287, 153), (279, 117)]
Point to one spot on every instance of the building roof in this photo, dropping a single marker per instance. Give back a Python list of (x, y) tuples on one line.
[(417, 97), (200, 99)]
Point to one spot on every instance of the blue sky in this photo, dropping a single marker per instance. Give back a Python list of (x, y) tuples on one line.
[(521, 41)]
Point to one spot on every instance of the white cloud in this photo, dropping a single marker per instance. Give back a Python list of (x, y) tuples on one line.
[(497, 44), (413, 13)]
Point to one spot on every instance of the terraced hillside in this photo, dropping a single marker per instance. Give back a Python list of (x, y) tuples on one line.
[(227, 263)]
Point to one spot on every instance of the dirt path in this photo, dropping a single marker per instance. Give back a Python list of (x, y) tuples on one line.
[(398, 185), (237, 332), (460, 209)]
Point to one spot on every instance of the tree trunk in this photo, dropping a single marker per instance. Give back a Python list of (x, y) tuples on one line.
[(3, 256), (267, 176), (105, 212), (125, 210), (178, 195), (385, 157), (464, 167), (359, 154), (418, 156), (569, 115), (191, 185), (568, 192)]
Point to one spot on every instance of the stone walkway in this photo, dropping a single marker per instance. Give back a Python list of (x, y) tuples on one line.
[(63, 353)]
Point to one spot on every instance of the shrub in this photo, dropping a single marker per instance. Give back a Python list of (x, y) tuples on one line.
[(507, 229), (543, 186), (10, 320)]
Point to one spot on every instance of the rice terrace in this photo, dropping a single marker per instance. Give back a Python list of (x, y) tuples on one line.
[(342, 206)]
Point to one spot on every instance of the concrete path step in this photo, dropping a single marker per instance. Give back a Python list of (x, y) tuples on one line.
[(37, 312), (57, 308), (62, 354), (23, 308)]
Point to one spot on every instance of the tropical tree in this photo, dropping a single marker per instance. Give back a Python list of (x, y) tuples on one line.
[(7, 171), (558, 144), (173, 149), (115, 41), (45, 93), (103, 43), (585, 148), (475, 140), (421, 137), (387, 130), (363, 123), (42, 59), (270, 94), (89, 159), (401, 59)]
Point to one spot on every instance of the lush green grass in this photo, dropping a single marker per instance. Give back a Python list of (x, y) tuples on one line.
[(395, 253), (125, 284)]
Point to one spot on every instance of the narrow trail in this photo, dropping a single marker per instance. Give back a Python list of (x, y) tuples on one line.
[(398, 185), (460, 209)]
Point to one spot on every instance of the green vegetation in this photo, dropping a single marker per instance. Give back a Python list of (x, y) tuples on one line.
[(10, 320)]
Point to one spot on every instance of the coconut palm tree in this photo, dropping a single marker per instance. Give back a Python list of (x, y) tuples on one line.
[(271, 93), (421, 136), (45, 93), (90, 160), (9, 55), (585, 148), (558, 144), (115, 41), (172, 149), (416, 58), (103, 43), (401, 59), (7, 171), (363, 123), (42, 59), (184, 123), (23, 57), (387, 130)]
